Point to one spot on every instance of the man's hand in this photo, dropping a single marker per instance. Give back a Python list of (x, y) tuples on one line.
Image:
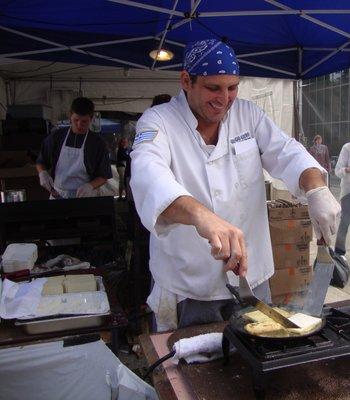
[(347, 169), (85, 190), (46, 180), (226, 241), (324, 211)]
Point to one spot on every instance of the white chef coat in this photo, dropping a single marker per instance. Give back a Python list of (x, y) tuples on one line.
[(342, 163), (170, 160)]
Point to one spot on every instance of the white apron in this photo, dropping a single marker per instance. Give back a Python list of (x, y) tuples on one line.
[(70, 172)]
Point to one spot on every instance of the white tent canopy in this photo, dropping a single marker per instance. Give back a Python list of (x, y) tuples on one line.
[(118, 89)]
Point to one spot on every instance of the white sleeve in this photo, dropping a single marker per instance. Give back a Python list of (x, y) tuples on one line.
[(342, 163), (153, 184), (282, 156)]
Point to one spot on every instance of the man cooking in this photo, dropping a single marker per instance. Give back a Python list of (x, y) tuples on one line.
[(74, 162), (198, 184)]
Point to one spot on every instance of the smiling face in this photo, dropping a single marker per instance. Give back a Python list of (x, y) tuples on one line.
[(80, 123), (210, 97)]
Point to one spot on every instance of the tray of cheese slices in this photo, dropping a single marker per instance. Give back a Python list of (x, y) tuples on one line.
[(69, 302)]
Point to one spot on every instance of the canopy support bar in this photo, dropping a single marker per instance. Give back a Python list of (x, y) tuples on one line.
[(147, 7), (267, 67), (165, 32), (325, 58)]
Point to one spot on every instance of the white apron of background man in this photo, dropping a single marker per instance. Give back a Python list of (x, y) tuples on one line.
[(70, 172)]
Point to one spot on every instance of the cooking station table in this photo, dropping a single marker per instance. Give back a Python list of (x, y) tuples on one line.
[(310, 377), (11, 335)]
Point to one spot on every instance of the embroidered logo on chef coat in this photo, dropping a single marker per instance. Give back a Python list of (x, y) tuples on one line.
[(241, 138), (144, 136)]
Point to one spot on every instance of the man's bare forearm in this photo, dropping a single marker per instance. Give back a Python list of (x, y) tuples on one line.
[(184, 210), (311, 178)]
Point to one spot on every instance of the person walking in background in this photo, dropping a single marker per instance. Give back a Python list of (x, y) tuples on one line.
[(122, 158), (320, 152), (342, 171)]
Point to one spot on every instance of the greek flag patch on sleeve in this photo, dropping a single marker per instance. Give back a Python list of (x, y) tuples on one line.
[(144, 136)]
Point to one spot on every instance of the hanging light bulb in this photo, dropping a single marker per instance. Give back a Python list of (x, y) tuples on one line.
[(161, 55)]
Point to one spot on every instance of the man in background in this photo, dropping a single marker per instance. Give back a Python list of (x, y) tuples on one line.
[(74, 162)]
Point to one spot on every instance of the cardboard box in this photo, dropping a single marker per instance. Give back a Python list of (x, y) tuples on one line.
[(293, 231), (291, 255), (278, 211), (281, 194), (289, 280), (295, 298)]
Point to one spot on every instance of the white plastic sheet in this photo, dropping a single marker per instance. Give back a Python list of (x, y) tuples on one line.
[(82, 372), (20, 300)]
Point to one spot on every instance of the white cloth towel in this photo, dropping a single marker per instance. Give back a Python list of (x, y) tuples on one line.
[(199, 349)]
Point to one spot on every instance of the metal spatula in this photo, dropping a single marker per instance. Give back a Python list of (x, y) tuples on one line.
[(247, 296), (322, 276)]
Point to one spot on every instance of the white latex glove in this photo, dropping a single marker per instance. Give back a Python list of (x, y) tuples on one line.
[(46, 180), (85, 190), (324, 211)]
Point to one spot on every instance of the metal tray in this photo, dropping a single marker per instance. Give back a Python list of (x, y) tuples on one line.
[(58, 324)]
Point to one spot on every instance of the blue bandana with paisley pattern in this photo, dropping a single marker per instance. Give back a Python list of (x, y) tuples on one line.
[(210, 57)]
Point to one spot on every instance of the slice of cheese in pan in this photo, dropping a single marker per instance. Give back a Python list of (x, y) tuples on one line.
[(258, 316), (270, 329), (265, 326)]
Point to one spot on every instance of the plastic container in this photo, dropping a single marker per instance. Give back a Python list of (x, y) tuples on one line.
[(19, 256)]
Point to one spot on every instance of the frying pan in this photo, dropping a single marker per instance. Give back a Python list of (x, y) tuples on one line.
[(238, 321)]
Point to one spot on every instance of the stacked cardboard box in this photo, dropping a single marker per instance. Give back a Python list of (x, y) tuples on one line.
[(291, 233)]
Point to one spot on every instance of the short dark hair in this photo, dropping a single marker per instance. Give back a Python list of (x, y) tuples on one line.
[(82, 106), (160, 99)]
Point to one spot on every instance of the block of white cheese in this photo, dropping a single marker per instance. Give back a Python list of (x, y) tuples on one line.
[(306, 322), (69, 284), (75, 286), (55, 279), (80, 278), (50, 289), (53, 285)]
